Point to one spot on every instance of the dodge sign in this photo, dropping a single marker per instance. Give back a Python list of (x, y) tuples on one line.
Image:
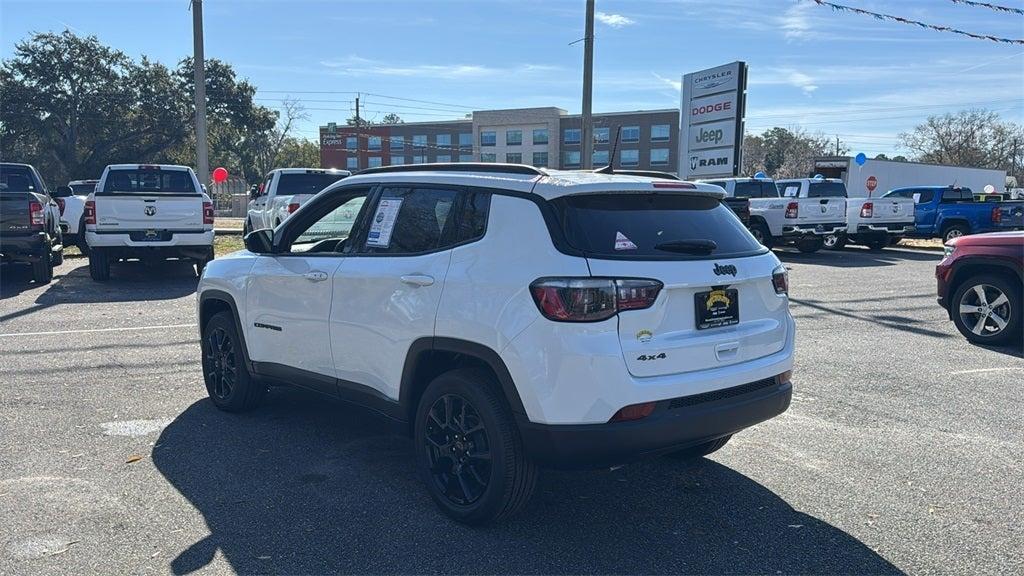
[(712, 110)]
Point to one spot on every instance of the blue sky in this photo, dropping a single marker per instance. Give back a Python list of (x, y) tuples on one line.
[(834, 73)]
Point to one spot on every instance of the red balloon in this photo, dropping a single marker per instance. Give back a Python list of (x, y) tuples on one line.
[(220, 175)]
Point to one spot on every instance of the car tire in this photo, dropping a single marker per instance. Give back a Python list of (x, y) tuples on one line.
[(58, 256), (99, 265), (954, 231), (809, 244), (761, 233), (834, 241), (83, 246), (202, 262), (246, 228), (228, 382), (42, 269), (699, 450), (461, 418), (995, 288)]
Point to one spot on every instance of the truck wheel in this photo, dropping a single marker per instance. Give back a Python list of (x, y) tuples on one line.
[(761, 233), (809, 244), (954, 231), (58, 256), (227, 378), (468, 449), (83, 246), (835, 241), (201, 263), (42, 269), (986, 309), (700, 449), (99, 265), (246, 228)]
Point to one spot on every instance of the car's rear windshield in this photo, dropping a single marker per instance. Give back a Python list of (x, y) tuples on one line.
[(83, 189), (827, 190), (149, 181), (310, 183), (653, 226), (17, 179)]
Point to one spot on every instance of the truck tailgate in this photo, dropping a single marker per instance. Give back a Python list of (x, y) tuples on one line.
[(820, 210), (14, 213), (148, 212)]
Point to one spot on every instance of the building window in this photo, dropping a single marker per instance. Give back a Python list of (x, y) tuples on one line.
[(600, 158), (352, 163), (373, 143), (397, 160), (513, 137), (419, 140), (397, 143), (444, 140), (660, 132), (629, 157), (659, 156), (352, 143), (514, 157), (601, 135), (572, 136), (373, 161), (572, 157), (540, 159), (488, 157), (444, 158), (465, 140), (488, 138), (465, 157), (630, 134), (419, 159), (540, 136)]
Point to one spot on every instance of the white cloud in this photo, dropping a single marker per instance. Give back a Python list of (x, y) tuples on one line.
[(677, 85), (801, 81), (795, 23), (614, 20), (359, 66)]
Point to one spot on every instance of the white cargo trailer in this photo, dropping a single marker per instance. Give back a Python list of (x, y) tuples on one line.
[(876, 177)]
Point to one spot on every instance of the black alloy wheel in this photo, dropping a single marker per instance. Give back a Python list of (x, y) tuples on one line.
[(458, 450), (221, 363)]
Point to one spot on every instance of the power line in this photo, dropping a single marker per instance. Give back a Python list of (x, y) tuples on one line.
[(846, 111), (901, 20)]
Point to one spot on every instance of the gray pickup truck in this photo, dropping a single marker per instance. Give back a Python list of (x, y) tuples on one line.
[(29, 221)]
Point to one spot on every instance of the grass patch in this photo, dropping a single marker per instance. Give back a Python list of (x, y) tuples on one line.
[(225, 244)]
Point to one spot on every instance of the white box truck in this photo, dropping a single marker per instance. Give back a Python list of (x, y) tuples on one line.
[(876, 177)]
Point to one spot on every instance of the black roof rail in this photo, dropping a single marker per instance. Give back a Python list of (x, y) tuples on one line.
[(647, 173), (493, 167)]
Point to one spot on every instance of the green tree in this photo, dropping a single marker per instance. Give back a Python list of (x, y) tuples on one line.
[(392, 118), (784, 153)]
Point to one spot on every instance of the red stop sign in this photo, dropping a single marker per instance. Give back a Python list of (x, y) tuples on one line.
[(872, 183)]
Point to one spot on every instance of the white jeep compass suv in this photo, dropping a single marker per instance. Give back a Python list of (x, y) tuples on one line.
[(510, 318)]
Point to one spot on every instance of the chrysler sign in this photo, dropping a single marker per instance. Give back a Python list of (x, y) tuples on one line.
[(712, 110)]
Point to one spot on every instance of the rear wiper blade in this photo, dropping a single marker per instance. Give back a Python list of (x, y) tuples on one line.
[(695, 246)]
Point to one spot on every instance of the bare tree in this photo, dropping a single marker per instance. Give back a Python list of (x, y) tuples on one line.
[(292, 113), (977, 138)]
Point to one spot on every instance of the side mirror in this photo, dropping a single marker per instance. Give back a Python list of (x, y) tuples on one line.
[(260, 241), (63, 192), (254, 192)]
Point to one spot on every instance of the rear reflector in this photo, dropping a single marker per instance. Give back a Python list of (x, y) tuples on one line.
[(633, 412), (677, 185)]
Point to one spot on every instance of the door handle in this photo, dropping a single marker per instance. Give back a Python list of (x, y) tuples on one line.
[(316, 276), (418, 280)]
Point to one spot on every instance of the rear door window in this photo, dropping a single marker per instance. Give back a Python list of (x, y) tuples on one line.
[(149, 181), (790, 190), (827, 190), (308, 183), (748, 190), (769, 190), (653, 227)]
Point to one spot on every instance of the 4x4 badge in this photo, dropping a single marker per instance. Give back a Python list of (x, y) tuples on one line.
[(727, 269)]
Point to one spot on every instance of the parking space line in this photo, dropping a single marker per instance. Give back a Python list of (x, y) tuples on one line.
[(122, 329), (980, 370)]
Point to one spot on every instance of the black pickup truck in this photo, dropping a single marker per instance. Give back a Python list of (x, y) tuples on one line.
[(29, 221)]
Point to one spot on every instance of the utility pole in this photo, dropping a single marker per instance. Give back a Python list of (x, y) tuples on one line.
[(587, 125), (837, 144), (359, 132), (199, 64)]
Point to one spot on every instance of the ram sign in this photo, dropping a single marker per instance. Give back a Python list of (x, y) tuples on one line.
[(712, 109)]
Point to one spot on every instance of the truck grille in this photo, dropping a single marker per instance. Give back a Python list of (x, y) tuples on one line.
[(722, 394)]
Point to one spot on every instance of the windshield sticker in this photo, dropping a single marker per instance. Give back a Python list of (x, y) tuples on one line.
[(623, 243), (383, 223)]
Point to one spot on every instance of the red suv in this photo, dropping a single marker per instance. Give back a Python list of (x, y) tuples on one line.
[(980, 282)]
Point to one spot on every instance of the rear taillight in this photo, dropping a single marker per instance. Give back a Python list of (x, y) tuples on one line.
[(792, 209), (867, 210), (592, 299), (207, 212), (292, 207), (60, 204), (633, 412), (780, 279), (89, 212), (36, 217), (997, 215)]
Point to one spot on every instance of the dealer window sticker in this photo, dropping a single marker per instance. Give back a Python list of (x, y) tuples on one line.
[(623, 243), (383, 222)]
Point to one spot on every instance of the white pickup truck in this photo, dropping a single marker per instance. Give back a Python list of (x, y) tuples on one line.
[(72, 217), (147, 212), (798, 212), (283, 191), (874, 222)]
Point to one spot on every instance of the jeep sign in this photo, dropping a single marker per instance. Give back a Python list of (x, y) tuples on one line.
[(712, 110)]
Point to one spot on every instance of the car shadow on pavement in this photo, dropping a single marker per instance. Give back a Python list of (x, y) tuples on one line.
[(857, 257), (129, 282), (306, 486)]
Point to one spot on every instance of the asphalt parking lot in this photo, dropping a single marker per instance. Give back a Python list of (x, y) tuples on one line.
[(903, 451)]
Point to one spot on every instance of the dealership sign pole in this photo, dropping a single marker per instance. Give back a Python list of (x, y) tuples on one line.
[(712, 107)]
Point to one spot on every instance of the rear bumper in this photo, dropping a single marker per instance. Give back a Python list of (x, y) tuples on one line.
[(822, 229), (675, 424), (135, 239), (27, 248), (892, 228)]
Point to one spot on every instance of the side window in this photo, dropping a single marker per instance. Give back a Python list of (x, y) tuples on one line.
[(329, 232), (952, 195), (411, 221), (266, 186), (748, 190), (924, 196), (769, 190), (791, 190), (473, 217)]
